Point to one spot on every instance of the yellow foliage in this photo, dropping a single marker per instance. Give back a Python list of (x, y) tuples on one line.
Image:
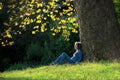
[(45, 18), (33, 32), (31, 21), (11, 43), (38, 17), (21, 2), (53, 34), (10, 18), (34, 20), (31, 5), (28, 22), (51, 13), (52, 3), (38, 21), (57, 19), (67, 39), (35, 27), (16, 23), (39, 5), (64, 27), (32, 1), (6, 24), (61, 14), (74, 31), (53, 17), (69, 14), (21, 16), (38, 11), (3, 44), (56, 0), (68, 4), (76, 25), (27, 14), (72, 20), (9, 6), (13, 6), (70, 8), (59, 27), (45, 11), (64, 3), (70, 28), (8, 34), (56, 30), (19, 32), (56, 11), (44, 24), (42, 29), (21, 9), (65, 31), (63, 21), (33, 12), (52, 29)]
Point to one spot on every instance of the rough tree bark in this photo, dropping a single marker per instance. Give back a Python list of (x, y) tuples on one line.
[(99, 29)]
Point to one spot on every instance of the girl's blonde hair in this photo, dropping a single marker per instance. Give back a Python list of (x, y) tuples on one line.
[(79, 45)]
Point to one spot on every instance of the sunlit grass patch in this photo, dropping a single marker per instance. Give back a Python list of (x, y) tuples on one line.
[(80, 71)]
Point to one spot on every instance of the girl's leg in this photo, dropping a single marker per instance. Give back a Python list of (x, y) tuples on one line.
[(63, 57), (57, 61), (66, 57)]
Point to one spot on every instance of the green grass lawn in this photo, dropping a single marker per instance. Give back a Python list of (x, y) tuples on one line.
[(80, 71)]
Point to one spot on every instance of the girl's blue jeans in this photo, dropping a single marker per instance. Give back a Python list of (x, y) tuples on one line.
[(62, 57)]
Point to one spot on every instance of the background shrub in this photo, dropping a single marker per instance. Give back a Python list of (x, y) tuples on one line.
[(38, 53)]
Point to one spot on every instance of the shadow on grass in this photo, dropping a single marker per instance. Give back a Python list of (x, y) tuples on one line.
[(25, 78), (25, 65), (19, 78)]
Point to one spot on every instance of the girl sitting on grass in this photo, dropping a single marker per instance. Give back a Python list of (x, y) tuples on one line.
[(77, 56)]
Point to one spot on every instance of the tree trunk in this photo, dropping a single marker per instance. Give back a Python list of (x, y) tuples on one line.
[(99, 29)]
